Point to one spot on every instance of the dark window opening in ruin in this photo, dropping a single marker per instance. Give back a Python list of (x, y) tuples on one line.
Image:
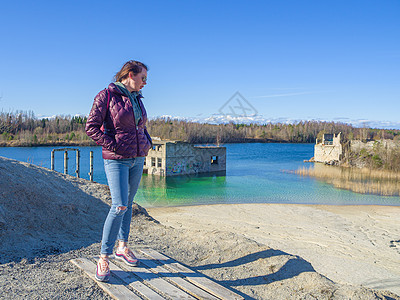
[(157, 147), (144, 164), (153, 161), (328, 139), (159, 162), (214, 160)]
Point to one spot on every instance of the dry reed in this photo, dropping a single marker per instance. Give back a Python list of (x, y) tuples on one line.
[(365, 181)]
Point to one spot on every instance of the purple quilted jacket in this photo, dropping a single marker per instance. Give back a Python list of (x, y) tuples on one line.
[(120, 138)]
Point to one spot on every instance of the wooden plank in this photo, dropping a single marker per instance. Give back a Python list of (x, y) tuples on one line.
[(175, 278), (194, 277), (142, 289), (113, 288), (160, 285)]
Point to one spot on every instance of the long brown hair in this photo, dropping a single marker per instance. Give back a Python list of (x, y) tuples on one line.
[(130, 66)]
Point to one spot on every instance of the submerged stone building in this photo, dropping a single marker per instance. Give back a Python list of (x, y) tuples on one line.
[(329, 150), (171, 158)]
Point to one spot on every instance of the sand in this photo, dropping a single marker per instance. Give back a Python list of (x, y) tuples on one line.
[(261, 251), (359, 245)]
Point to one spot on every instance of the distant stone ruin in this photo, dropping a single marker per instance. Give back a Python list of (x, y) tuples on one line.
[(172, 158), (329, 150)]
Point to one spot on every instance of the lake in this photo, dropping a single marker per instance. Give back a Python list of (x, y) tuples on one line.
[(256, 173)]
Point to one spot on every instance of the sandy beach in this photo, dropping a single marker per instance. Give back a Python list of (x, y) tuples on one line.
[(261, 251), (357, 245)]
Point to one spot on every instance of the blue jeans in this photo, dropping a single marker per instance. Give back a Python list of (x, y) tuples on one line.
[(123, 176)]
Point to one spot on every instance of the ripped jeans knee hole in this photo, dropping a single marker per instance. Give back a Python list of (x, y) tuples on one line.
[(120, 210)]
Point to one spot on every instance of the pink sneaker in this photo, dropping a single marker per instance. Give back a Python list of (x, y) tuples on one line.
[(103, 269), (127, 256)]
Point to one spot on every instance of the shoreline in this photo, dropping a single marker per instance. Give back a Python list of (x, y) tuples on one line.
[(27, 144), (268, 203), (88, 143)]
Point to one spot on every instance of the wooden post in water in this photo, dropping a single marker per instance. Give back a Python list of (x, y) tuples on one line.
[(78, 157), (52, 159), (66, 162), (91, 166), (78, 160)]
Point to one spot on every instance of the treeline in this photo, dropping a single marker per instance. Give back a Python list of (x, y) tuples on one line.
[(24, 129), (301, 132)]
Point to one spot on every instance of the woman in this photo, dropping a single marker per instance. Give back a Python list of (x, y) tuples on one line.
[(117, 122)]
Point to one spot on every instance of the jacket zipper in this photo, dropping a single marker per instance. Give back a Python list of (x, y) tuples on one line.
[(136, 129), (137, 139)]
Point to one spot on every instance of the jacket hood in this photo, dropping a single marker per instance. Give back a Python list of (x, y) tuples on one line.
[(115, 90)]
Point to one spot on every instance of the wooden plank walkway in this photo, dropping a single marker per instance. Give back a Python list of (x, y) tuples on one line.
[(156, 277)]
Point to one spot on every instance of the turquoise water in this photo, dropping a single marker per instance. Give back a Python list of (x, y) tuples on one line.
[(256, 173)]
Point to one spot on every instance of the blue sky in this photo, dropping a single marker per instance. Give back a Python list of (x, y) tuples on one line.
[(326, 60)]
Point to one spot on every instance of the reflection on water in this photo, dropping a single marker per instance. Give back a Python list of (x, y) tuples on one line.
[(180, 190), (365, 181)]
